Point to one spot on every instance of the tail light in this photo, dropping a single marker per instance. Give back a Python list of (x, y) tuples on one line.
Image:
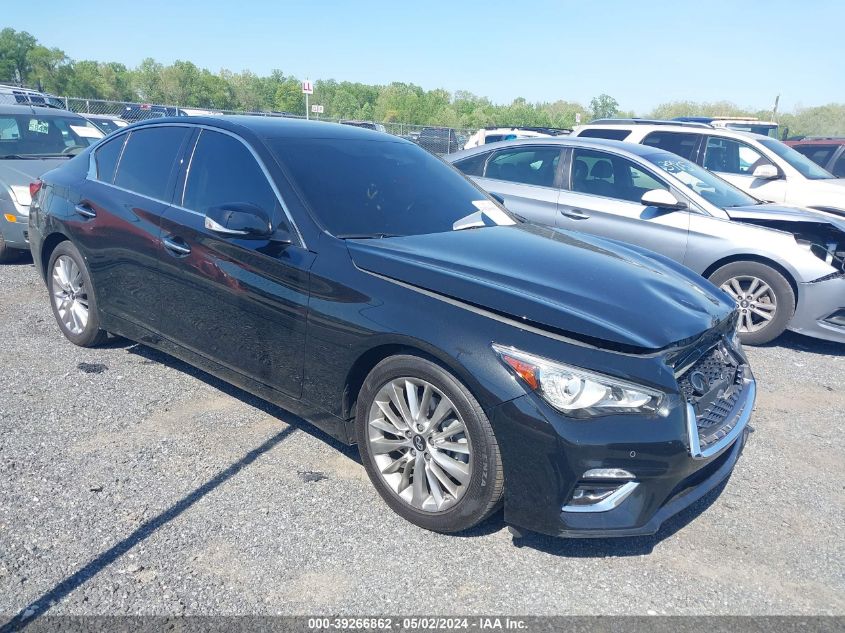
[(34, 188)]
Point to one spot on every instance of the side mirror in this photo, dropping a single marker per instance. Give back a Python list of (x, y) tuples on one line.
[(238, 219), (662, 199), (766, 172)]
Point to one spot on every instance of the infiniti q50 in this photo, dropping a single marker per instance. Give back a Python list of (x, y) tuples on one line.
[(355, 279)]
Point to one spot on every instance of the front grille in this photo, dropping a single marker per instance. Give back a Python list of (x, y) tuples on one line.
[(712, 386)]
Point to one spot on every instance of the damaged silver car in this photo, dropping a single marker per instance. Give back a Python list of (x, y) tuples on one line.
[(784, 266)]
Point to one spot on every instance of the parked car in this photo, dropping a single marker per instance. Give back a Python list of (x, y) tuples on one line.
[(439, 140), (143, 111), (11, 95), (784, 266), (827, 152), (33, 140), (107, 123), (488, 135), (745, 124), (759, 165), (362, 283), (370, 125)]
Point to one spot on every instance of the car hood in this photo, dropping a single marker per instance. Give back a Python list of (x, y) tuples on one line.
[(17, 174), (786, 214), (598, 291)]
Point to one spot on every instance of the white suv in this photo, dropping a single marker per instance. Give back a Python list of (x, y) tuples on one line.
[(760, 165)]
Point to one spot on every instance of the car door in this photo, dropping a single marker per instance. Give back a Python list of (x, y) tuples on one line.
[(129, 186), (601, 196), (735, 161), (526, 178), (240, 302)]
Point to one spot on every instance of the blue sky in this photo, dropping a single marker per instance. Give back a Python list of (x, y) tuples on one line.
[(641, 52)]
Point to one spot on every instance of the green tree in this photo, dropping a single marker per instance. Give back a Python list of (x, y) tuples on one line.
[(14, 51), (604, 106)]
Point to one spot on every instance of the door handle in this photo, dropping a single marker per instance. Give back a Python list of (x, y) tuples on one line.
[(575, 214), (85, 210), (176, 245)]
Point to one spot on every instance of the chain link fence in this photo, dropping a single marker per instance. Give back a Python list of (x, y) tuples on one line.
[(110, 115)]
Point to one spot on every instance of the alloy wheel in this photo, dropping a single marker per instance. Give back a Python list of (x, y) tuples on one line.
[(70, 295), (755, 299), (419, 444)]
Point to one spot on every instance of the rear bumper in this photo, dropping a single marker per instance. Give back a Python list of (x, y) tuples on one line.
[(818, 302)]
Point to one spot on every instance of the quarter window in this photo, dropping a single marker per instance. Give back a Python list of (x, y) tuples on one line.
[(610, 176), (474, 165), (106, 157), (676, 142), (224, 171), (728, 156), (525, 165), (147, 163)]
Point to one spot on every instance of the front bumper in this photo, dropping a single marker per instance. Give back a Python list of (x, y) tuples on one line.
[(545, 455), (15, 234), (818, 304)]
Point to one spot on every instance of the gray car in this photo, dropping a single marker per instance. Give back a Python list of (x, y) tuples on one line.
[(782, 265), (33, 140)]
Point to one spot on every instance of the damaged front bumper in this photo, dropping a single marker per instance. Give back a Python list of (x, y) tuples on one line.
[(820, 311)]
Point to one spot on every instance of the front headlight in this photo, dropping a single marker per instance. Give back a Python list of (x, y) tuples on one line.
[(578, 392)]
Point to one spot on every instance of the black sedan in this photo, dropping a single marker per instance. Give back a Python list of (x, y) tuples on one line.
[(353, 278)]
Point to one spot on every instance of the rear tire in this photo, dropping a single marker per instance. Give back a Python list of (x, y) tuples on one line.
[(764, 297), (427, 445), (72, 297)]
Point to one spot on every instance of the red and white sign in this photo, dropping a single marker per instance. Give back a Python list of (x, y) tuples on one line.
[(317, 109), (307, 87)]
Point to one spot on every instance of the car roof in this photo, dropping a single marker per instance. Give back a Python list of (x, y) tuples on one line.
[(686, 129), (270, 127), (566, 141), (825, 140), (8, 108)]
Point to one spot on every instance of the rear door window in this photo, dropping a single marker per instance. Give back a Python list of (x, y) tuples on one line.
[(615, 134), (146, 166), (525, 165), (602, 174), (839, 166), (224, 171), (679, 143), (106, 157)]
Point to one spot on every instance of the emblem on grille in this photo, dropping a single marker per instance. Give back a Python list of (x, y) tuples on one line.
[(699, 382)]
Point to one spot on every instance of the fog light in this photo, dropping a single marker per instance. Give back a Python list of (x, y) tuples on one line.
[(607, 473), (10, 218), (599, 497), (837, 318)]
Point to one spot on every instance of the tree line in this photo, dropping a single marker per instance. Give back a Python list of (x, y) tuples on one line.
[(25, 61)]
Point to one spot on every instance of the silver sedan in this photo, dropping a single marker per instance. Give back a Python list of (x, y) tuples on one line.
[(784, 266)]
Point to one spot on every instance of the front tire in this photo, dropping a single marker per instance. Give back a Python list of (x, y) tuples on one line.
[(72, 297), (427, 445), (764, 297)]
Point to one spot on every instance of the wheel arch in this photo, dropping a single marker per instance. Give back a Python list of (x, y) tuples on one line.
[(747, 257), (368, 359), (48, 246)]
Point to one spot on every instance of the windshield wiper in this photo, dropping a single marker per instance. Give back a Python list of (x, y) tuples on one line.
[(365, 236), (32, 156)]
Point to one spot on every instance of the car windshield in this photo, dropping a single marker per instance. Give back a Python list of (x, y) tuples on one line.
[(796, 160), (370, 188), (41, 135), (706, 184)]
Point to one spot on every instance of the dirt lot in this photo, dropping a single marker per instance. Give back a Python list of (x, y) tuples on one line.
[(131, 483)]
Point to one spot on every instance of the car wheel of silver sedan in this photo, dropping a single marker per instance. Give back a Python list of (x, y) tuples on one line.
[(764, 298), (72, 297), (427, 445)]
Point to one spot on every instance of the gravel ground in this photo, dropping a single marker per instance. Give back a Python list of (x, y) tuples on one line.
[(131, 483)]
